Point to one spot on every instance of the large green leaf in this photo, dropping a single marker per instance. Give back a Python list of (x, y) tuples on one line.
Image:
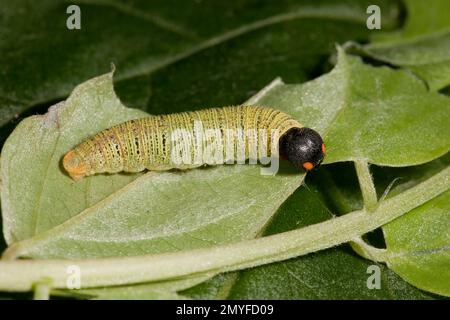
[(423, 45), (168, 60), (209, 53), (332, 274), (147, 291), (418, 245), (56, 217), (153, 62), (159, 53), (376, 114), (93, 106), (335, 273)]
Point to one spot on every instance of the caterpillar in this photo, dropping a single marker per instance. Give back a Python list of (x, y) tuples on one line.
[(174, 141)]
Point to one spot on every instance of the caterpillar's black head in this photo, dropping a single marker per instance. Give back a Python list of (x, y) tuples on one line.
[(303, 147)]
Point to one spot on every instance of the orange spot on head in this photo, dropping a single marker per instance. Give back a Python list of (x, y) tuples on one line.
[(308, 166), (323, 148), (74, 165)]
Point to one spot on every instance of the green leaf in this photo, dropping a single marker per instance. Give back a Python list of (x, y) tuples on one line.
[(159, 53), (148, 291), (418, 246), (417, 243), (237, 48), (331, 274), (132, 220), (335, 273), (370, 113), (163, 61), (208, 53), (56, 217), (34, 151), (423, 45), (24, 273)]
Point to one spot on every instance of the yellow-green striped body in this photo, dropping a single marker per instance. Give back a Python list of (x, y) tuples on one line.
[(147, 143)]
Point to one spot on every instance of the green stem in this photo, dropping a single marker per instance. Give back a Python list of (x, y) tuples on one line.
[(19, 275), (42, 290), (366, 184), (367, 251), (358, 244)]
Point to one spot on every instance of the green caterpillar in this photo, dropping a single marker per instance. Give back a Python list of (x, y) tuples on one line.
[(148, 143)]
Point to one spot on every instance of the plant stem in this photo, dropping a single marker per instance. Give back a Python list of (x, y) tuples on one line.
[(366, 184), (20, 275), (367, 251), (42, 290)]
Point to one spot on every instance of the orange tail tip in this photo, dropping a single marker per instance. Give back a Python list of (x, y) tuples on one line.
[(74, 165)]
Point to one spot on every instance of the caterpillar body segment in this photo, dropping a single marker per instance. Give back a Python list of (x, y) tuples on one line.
[(179, 140)]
